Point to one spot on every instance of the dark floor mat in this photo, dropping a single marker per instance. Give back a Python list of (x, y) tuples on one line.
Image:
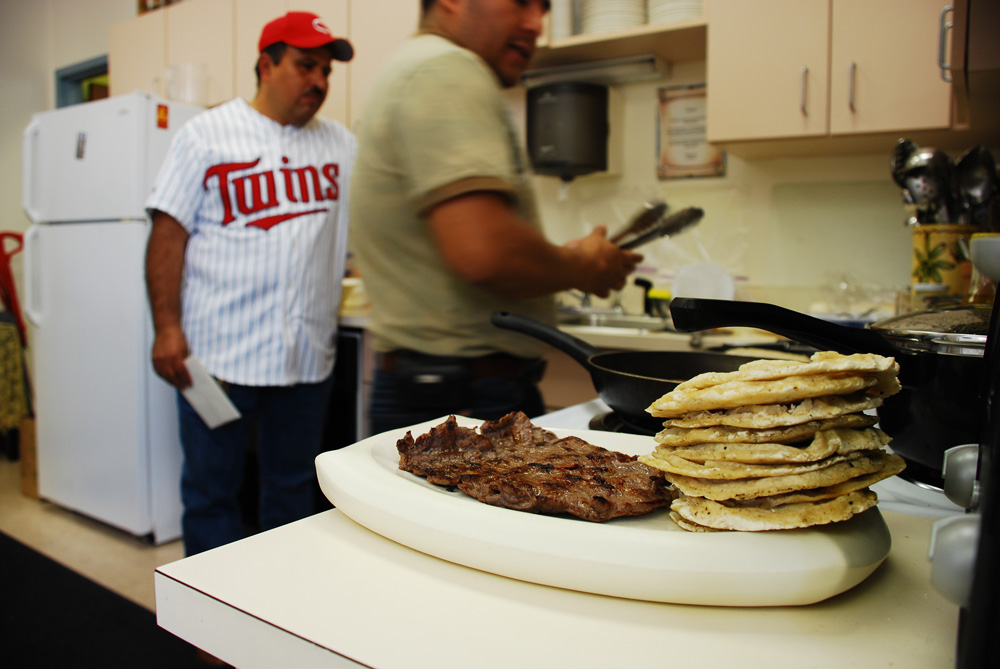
[(51, 616)]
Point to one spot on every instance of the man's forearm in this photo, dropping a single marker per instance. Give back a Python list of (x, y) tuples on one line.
[(165, 270), (484, 242)]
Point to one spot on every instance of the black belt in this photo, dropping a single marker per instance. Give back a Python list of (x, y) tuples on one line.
[(493, 366)]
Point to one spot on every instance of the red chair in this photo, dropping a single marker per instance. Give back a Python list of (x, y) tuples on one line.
[(8, 292)]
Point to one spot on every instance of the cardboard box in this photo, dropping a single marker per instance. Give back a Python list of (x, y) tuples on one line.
[(29, 458)]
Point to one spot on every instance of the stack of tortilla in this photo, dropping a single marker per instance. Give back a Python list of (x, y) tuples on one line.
[(778, 444)]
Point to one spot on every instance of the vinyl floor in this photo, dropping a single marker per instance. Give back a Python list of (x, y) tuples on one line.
[(114, 559)]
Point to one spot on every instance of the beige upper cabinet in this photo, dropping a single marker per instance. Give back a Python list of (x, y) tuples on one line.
[(814, 68), (137, 55), (377, 30), (181, 52), (200, 50), (249, 17), (884, 73), (335, 13), (767, 69)]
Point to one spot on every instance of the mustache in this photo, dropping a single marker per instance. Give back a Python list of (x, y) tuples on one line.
[(317, 91)]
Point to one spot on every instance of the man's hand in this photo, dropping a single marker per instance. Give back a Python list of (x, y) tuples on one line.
[(170, 350), (610, 265)]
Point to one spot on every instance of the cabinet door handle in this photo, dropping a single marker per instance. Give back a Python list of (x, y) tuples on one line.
[(850, 84), (943, 31), (805, 80)]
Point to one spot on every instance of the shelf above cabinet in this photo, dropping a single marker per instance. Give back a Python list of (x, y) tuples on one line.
[(679, 42)]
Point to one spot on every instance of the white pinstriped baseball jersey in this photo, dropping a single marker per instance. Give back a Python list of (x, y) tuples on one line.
[(266, 208)]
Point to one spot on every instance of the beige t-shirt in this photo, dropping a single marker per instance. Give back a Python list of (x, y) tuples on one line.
[(435, 127)]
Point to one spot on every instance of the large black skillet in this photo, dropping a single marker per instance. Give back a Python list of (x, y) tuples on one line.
[(627, 381), (939, 407), (690, 314)]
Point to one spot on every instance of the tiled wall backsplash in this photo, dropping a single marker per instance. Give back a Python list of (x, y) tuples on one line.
[(791, 230)]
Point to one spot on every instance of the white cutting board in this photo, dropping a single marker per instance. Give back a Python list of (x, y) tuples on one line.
[(643, 557)]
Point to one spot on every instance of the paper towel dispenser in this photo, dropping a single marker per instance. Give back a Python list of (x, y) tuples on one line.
[(569, 127)]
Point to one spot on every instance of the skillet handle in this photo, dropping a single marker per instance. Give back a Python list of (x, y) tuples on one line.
[(690, 314), (578, 349)]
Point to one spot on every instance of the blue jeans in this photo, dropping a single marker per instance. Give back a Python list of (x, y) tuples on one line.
[(289, 422), (391, 404)]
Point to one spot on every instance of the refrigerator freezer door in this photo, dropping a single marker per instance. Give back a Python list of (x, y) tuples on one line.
[(106, 425), (96, 161)]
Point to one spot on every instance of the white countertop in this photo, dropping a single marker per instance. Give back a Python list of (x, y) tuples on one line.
[(612, 338), (326, 592), (666, 340), (357, 320)]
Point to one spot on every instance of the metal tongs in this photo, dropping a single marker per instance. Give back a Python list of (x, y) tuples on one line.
[(650, 224), (648, 216)]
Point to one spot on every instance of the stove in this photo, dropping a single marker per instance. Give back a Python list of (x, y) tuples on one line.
[(609, 421), (965, 550)]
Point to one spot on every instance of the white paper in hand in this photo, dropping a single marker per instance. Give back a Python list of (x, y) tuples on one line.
[(206, 397)]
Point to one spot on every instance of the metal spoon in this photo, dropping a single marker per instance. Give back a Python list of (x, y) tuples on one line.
[(977, 184), (927, 178)]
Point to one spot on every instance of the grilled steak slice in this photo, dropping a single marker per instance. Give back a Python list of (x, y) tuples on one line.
[(514, 464)]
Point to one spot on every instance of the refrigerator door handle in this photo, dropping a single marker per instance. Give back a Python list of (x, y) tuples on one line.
[(31, 309), (28, 145)]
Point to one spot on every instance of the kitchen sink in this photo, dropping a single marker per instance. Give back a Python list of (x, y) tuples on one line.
[(614, 320)]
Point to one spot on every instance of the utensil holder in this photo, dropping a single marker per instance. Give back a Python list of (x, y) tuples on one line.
[(941, 265)]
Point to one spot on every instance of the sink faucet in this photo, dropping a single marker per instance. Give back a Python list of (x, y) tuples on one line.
[(616, 302), (583, 297), (587, 307)]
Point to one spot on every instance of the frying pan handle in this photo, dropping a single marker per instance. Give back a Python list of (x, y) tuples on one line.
[(578, 349), (690, 314)]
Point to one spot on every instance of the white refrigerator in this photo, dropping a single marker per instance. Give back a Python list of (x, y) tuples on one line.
[(107, 433)]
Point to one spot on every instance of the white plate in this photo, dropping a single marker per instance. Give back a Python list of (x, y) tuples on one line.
[(608, 15), (644, 557)]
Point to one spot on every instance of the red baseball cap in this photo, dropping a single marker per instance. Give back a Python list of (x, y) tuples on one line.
[(304, 30)]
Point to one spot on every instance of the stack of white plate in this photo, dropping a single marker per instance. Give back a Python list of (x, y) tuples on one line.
[(668, 11), (561, 19), (597, 16)]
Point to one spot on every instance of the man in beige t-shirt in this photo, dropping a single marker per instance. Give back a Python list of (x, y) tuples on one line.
[(444, 226)]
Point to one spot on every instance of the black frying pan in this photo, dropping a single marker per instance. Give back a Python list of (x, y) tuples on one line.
[(627, 381), (690, 314)]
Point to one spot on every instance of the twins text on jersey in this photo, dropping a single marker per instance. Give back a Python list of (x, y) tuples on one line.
[(254, 192)]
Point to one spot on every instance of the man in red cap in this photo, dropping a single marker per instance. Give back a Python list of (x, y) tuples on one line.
[(294, 93), (244, 269)]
